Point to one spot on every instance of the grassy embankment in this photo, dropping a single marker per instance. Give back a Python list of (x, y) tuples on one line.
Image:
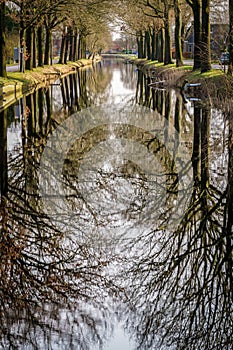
[(16, 84), (215, 84)]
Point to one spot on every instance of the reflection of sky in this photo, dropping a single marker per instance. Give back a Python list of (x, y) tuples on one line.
[(14, 138), (119, 91), (119, 341), (14, 131)]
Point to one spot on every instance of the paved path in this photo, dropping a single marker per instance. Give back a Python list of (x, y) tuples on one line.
[(213, 65), (15, 67), (12, 68)]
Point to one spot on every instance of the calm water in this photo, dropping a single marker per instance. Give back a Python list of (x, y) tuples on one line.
[(116, 216)]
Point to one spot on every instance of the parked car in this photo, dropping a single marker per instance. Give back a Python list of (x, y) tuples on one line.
[(224, 58)]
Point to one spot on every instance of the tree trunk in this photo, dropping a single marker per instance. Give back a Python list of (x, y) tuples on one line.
[(140, 44), (144, 46), (22, 49), (71, 46), (75, 44), (230, 49), (197, 34), (48, 39), (167, 32), (153, 45), (178, 27), (40, 45), (2, 40), (147, 44), (157, 46), (206, 56), (29, 51), (34, 50), (66, 48), (161, 45), (82, 46), (62, 51), (22, 52)]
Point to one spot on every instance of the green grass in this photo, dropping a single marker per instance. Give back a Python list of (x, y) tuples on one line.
[(13, 80), (215, 82), (16, 76), (157, 64), (185, 67), (214, 74)]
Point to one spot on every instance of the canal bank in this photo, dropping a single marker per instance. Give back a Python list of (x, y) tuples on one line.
[(18, 84), (215, 85)]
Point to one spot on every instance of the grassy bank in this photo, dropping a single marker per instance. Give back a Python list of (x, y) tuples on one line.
[(215, 85), (17, 84)]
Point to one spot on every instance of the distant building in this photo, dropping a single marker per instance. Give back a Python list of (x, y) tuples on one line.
[(188, 47), (218, 40)]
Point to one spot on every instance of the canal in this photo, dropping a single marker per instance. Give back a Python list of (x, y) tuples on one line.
[(116, 216)]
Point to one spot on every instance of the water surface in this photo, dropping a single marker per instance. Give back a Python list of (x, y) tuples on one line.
[(116, 216)]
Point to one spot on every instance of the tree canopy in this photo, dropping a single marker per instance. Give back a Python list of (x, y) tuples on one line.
[(159, 28)]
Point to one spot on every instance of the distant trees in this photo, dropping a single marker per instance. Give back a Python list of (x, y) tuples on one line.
[(151, 22), (162, 11), (81, 23)]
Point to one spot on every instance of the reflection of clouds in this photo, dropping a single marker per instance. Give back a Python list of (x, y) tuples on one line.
[(73, 162), (119, 88), (14, 139), (118, 85)]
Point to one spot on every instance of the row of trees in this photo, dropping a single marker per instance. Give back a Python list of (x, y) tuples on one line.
[(78, 22), (152, 21), (82, 21)]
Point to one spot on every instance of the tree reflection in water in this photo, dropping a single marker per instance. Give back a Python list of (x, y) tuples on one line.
[(180, 281), (170, 284), (53, 288)]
